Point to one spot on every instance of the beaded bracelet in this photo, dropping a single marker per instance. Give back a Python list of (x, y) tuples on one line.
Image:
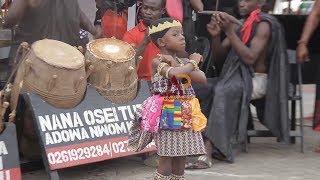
[(161, 66), (194, 64), (167, 72)]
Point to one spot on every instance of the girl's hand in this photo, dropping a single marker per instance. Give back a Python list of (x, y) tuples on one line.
[(196, 57)]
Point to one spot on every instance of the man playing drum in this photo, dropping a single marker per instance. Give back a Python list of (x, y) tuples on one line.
[(151, 10), (38, 19), (53, 19)]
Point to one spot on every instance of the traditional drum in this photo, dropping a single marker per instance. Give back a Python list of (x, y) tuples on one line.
[(114, 74), (55, 71)]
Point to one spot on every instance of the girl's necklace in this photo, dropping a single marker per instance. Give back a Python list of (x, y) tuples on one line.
[(180, 61), (175, 57)]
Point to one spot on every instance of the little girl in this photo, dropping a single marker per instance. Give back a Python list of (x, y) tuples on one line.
[(173, 145)]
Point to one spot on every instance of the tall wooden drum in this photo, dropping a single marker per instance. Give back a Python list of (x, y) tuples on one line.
[(114, 74), (55, 71)]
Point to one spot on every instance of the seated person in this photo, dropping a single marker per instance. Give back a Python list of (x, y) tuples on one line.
[(151, 10), (253, 55)]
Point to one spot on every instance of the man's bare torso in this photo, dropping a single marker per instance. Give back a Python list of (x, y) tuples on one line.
[(261, 66)]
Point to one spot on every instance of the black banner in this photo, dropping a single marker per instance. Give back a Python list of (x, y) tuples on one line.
[(93, 131), (9, 156)]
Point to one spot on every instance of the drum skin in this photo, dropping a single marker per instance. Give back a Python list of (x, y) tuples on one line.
[(114, 74)]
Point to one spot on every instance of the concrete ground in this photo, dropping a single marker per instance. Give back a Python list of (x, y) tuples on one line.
[(266, 159)]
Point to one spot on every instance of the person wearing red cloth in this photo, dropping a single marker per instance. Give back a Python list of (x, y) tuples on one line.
[(255, 54), (252, 56), (111, 17), (151, 10)]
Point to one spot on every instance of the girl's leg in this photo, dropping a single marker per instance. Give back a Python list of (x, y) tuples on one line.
[(164, 168), (178, 166)]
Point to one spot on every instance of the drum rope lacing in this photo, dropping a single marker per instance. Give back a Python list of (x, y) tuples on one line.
[(52, 96)]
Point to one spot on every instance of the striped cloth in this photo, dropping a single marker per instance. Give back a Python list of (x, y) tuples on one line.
[(171, 115)]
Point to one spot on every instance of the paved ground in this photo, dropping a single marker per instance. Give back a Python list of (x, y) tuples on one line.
[(266, 159)]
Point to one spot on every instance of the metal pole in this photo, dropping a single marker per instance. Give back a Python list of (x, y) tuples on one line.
[(132, 17), (217, 5), (289, 7)]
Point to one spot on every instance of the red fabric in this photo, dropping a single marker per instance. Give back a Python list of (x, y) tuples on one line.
[(114, 24), (134, 37), (316, 117), (175, 9), (247, 27)]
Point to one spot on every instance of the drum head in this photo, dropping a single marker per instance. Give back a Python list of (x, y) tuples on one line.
[(59, 54), (111, 49)]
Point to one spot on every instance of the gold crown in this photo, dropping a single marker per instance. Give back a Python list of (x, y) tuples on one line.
[(163, 26)]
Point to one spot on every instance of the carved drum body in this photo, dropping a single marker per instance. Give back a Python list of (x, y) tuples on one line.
[(114, 71)]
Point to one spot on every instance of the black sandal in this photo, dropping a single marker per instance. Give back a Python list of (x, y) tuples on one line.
[(203, 162)]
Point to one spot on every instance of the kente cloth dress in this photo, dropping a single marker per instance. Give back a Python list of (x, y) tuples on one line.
[(174, 143)]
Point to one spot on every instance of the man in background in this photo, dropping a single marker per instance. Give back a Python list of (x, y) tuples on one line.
[(151, 10), (303, 55), (111, 17), (252, 56), (53, 19), (34, 20)]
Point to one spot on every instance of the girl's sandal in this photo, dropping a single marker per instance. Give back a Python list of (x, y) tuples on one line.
[(203, 162)]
